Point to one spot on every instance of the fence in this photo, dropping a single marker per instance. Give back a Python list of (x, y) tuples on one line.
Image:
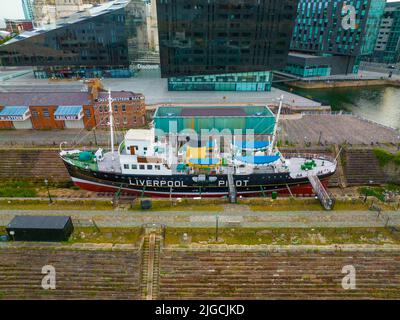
[(346, 113)]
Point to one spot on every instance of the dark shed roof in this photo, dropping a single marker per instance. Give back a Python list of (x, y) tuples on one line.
[(39, 222), (44, 99)]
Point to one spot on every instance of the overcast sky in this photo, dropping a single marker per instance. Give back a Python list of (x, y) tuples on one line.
[(12, 9)]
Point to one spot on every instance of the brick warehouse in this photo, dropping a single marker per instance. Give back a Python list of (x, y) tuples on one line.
[(129, 109), (67, 110)]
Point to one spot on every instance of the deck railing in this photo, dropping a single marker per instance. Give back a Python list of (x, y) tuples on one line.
[(310, 156)]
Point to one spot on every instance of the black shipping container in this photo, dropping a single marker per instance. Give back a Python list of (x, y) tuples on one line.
[(40, 228)]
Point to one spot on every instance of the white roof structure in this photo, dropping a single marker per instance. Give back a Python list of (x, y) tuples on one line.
[(139, 134)]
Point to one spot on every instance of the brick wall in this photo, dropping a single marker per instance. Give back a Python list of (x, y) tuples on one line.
[(127, 114), (89, 117), (5, 124), (43, 118)]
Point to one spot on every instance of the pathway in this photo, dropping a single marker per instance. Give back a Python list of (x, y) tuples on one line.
[(239, 218)]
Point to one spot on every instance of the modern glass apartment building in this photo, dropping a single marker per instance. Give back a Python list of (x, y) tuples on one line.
[(387, 47), (324, 28), (223, 45), (98, 42), (28, 10)]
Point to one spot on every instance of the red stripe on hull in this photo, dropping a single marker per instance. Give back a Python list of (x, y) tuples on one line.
[(303, 190)]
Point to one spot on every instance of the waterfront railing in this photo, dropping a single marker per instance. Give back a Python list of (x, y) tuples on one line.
[(346, 113)]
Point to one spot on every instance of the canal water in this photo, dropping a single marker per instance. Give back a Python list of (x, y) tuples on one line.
[(381, 104)]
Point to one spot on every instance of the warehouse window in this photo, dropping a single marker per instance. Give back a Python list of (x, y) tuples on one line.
[(35, 114), (88, 113), (123, 108), (126, 166), (46, 113)]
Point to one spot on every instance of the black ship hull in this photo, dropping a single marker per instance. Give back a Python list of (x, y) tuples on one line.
[(189, 186)]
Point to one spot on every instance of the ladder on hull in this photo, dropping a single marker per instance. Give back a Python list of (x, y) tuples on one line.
[(232, 187), (326, 200)]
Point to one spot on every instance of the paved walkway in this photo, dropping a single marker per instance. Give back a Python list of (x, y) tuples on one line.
[(155, 90), (247, 219)]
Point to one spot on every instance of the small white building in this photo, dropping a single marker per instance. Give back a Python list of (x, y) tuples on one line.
[(138, 154), (139, 142)]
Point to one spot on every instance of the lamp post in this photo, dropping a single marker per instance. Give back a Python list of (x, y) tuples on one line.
[(46, 182), (216, 227), (95, 137)]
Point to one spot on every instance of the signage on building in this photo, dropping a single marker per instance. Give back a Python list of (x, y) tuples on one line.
[(67, 117), (18, 117), (120, 99), (12, 118)]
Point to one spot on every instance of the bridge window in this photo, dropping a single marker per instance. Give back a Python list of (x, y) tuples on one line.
[(134, 167), (126, 166), (141, 167), (149, 167)]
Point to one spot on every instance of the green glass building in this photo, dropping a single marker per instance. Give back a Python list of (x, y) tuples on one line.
[(387, 47), (323, 28), (167, 119), (245, 81)]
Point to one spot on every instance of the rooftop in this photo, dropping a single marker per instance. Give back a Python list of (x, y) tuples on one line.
[(303, 55), (103, 95), (44, 98), (212, 111), (139, 134), (219, 112), (39, 222), (80, 16)]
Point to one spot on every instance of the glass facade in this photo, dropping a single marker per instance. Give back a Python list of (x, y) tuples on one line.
[(387, 48), (246, 81), (319, 26), (308, 71), (258, 118), (374, 17), (202, 37), (101, 43)]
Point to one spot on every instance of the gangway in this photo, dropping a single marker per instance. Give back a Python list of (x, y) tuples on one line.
[(232, 187), (326, 200)]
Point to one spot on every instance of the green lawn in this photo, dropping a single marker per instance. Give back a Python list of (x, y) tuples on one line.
[(213, 205), (310, 204), (18, 189), (56, 205), (285, 236), (240, 236), (106, 235)]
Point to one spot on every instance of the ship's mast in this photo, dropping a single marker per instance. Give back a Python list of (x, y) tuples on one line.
[(111, 123), (272, 144)]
